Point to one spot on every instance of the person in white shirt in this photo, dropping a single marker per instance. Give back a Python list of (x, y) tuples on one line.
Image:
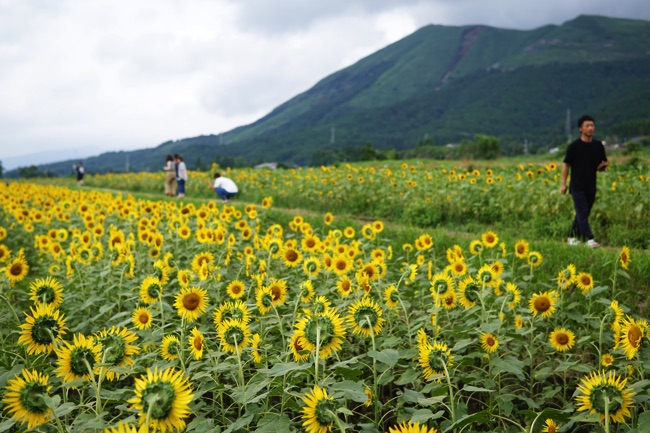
[(224, 187), (182, 175)]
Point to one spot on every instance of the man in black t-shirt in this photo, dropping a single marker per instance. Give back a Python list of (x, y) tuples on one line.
[(584, 157)]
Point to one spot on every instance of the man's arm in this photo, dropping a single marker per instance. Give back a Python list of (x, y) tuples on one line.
[(565, 174)]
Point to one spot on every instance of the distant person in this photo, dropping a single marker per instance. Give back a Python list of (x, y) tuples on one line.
[(181, 178), (225, 187), (584, 157), (79, 168), (170, 176)]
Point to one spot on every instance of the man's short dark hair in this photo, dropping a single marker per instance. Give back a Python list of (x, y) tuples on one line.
[(585, 118), (217, 174)]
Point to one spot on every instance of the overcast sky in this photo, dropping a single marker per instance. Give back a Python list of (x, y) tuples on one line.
[(118, 74)]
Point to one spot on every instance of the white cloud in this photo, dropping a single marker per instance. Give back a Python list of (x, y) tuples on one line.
[(117, 74)]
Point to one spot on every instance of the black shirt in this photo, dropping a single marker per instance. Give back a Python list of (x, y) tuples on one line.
[(584, 159)]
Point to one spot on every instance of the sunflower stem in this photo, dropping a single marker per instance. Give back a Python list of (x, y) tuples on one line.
[(316, 356), (451, 393), (98, 397), (241, 372), (11, 308), (606, 398), (375, 389)]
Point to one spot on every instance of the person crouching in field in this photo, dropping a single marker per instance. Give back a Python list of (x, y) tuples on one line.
[(224, 187), (181, 178), (584, 157)]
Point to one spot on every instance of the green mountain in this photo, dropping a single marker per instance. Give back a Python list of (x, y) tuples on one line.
[(448, 84)]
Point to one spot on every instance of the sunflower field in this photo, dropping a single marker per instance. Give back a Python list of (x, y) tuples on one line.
[(520, 196), (124, 314)]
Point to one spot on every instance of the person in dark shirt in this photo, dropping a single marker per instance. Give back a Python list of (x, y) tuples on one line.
[(584, 157)]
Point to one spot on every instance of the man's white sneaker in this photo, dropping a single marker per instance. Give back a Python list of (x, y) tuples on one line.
[(573, 241), (592, 243)]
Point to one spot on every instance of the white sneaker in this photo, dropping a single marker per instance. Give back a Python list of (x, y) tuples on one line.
[(592, 243), (573, 241)]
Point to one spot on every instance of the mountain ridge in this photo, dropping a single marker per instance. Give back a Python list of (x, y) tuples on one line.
[(449, 83)]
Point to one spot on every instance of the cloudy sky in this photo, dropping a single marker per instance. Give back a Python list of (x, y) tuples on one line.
[(78, 77)]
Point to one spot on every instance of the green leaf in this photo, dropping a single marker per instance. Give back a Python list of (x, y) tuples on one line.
[(470, 388), (644, 422), (475, 418), (386, 356), (351, 390), (240, 423), (273, 424), (284, 368), (462, 344), (431, 400), (508, 365), (424, 415), (409, 376), (7, 424)]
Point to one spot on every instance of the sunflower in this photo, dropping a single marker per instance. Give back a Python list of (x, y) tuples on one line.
[(236, 289), (321, 304), (234, 334), (450, 300), (117, 349), (255, 348), (319, 411), (631, 335), (624, 257), (42, 330), (185, 277), (151, 290), (535, 258), (550, 426), (170, 349), (585, 282), (519, 322), (458, 268), (307, 291), (486, 275), (566, 277), (122, 427), (606, 360), (599, 387), (191, 302), (79, 359), (162, 399), (412, 427), (24, 398), (489, 239), (196, 343), (17, 269), (47, 291), (476, 247), (469, 290), (291, 257), (341, 265), (344, 286), (521, 249), (311, 267), (365, 317), (200, 259), (441, 283), (278, 291), (424, 242), (391, 296), (433, 358), (5, 253), (543, 303), (514, 295), (141, 318), (489, 342), (562, 339), (325, 331), (300, 354)]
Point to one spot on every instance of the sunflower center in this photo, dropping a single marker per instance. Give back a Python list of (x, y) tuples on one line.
[(45, 330), (634, 336), (143, 318), (276, 292), (198, 343), (160, 397), (562, 339), (31, 397), (346, 286), (542, 304), (291, 256), (597, 398), (324, 411), (45, 294), (234, 336), (191, 301), (114, 349), (490, 342), (236, 289), (586, 281), (341, 265), (16, 269), (78, 358)]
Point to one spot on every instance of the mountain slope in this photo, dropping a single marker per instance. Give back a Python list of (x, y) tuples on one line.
[(448, 83)]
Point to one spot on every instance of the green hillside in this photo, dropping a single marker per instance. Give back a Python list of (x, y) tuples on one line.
[(447, 83)]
